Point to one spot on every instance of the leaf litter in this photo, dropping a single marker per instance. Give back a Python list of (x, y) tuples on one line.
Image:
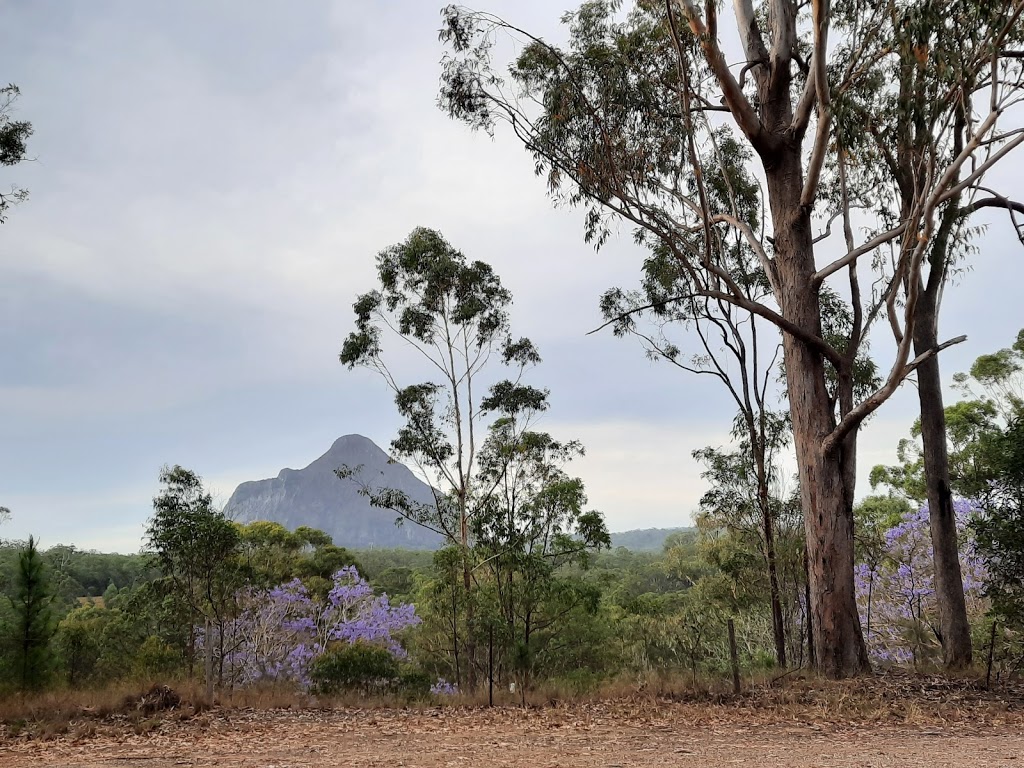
[(892, 720)]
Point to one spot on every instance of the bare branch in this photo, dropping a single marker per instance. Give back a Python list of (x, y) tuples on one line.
[(854, 418), (740, 107), (804, 107), (820, 12), (750, 32), (968, 152), (992, 202), (878, 240)]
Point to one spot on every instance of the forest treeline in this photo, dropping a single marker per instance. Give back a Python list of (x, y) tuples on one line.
[(239, 605), (799, 215)]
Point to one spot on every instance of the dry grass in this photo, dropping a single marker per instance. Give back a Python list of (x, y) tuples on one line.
[(894, 698)]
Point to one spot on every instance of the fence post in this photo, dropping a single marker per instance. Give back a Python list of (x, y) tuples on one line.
[(991, 651), (208, 647), (734, 657)]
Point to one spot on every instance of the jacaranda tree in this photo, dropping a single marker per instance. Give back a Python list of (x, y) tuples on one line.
[(628, 119), (280, 632), (897, 596)]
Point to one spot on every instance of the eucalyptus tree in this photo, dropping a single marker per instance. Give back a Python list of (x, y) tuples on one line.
[(453, 314), (898, 130), (196, 548), (744, 504), (14, 135), (623, 122), (734, 346), (533, 524)]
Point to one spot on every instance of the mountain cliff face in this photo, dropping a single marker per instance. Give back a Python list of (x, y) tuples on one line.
[(314, 496)]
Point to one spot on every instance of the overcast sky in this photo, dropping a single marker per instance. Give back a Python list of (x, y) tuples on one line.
[(212, 181)]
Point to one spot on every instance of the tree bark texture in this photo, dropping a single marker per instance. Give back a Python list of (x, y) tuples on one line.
[(949, 586), (826, 477)]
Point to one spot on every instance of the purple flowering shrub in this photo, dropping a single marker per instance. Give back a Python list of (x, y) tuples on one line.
[(279, 633), (896, 597), (443, 688)]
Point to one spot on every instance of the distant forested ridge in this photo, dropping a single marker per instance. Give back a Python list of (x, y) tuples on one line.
[(646, 539)]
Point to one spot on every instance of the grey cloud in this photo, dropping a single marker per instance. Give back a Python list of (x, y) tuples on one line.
[(213, 180)]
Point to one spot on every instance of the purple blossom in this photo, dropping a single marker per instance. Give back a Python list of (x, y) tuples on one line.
[(896, 597), (443, 688), (279, 632)]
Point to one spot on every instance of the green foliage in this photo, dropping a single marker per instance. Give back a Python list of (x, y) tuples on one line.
[(14, 135), (33, 624), (354, 667), (455, 312), (995, 391), (75, 573), (872, 517), (682, 632), (645, 539), (753, 538), (1000, 530), (79, 643), (193, 542), (413, 683), (531, 526), (270, 554), (155, 659), (196, 548), (397, 583), (373, 562), (268, 551)]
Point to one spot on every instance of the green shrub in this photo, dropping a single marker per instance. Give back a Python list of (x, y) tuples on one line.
[(580, 681), (414, 683), (155, 659), (355, 667)]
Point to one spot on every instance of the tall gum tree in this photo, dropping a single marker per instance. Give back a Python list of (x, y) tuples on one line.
[(733, 345), (622, 121), (903, 128), (453, 313)]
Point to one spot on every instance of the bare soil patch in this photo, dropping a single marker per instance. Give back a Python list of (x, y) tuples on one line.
[(910, 724)]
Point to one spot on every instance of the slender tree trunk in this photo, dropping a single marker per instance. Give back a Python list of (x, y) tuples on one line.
[(467, 583), (208, 648), (914, 135), (455, 639), (778, 626), (811, 659), (949, 586), (826, 478), (757, 446)]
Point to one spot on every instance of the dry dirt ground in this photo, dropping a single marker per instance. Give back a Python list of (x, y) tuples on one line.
[(604, 734)]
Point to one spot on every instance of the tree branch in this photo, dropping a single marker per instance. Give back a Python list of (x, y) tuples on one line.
[(878, 240), (820, 13), (740, 107), (750, 35), (853, 419), (998, 201), (804, 107)]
